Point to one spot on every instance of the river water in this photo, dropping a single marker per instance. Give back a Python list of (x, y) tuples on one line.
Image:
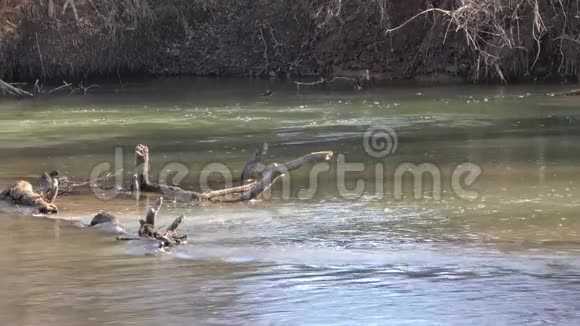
[(502, 250)]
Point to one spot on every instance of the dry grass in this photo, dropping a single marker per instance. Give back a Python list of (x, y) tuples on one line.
[(510, 35), (501, 39)]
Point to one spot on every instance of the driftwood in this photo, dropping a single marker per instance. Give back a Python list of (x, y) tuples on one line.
[(253, 161), (147, 231), (22, 193), (245, 192), (11, 89), (66, 186), (141, 180), (49, 185), (269, 176)]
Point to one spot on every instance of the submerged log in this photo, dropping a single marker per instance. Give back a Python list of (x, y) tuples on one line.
[(107, 222), (22, 193), (102, 218), (245, 192)]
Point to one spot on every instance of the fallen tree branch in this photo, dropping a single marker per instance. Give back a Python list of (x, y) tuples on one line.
[(274, 171), (83, 88), (66, 187), (322, 80), (253, 161), (143, 184), (245, 192), (13, 90), (168, 239), (65, 85)]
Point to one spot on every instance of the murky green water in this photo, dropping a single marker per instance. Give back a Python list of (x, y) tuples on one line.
[(334, 256)]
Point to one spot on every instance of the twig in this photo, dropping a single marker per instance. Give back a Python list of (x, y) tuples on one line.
[(567, 38), (447, 12), (40, 55), (325, 81), (85, 89), (38, 87), (71, 187), (70, 3), (65, 85), (13, 90)]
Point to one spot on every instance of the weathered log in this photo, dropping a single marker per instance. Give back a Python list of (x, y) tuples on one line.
[(11, 89), (223, 192), (274, 171), (22, 193), (143, 184), (236, 194)]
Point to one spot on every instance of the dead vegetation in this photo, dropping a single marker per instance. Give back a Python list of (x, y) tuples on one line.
[(480, 40)]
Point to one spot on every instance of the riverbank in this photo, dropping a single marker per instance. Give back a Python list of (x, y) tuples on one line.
[(454, 40)]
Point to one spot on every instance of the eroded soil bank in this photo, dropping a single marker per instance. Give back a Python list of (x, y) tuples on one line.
[(470, 40)]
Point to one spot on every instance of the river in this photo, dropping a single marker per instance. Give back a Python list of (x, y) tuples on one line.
[(322, 253)]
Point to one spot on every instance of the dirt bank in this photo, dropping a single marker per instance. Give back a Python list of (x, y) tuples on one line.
[(454, 39)]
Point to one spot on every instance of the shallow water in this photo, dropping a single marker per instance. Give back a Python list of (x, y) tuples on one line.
[(333, 256)]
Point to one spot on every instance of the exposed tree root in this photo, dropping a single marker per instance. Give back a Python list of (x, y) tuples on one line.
[(492, 30)]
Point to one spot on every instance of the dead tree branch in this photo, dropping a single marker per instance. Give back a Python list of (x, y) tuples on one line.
[(253, 161), (147, 231), (245, 192), (10, 89)]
